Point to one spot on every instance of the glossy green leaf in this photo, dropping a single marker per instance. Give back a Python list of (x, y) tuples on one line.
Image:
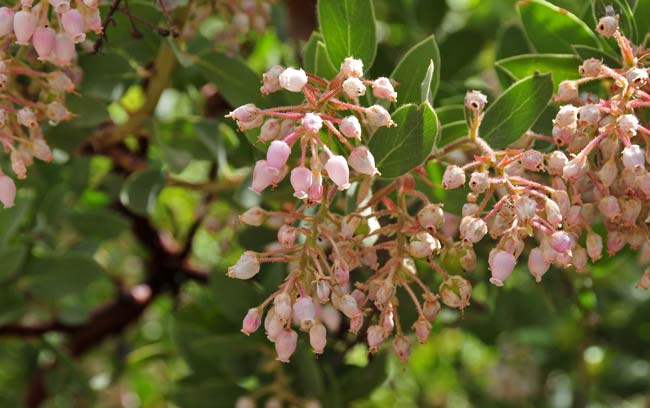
[(516, 110), (552, 29), (561, 66), (511, 41), (425, 87), (642, 18), (140, 190), (348, 30), (399, 149), (585, 52), (54, 277), (309, 52), (452, 131), (322, 65), (412, 70)]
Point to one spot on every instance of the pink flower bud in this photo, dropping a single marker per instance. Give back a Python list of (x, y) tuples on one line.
[(73, 24), (423, 245), (375, 336), (566, 117), (575, 168), (628, 124), (348, 306), (245, 402), (630, 210), (18, 164), (263, 176), (312, 123), (287, 235), (323, 290), (385, 292), (553, 213), (350, 127), (318, 337), (609, 172), (341, 271), (502, 264), (41, 150), (26, 117), (253, 216), (644, 253), (377, 116), (579, 259), (533, 160), (633, 158), (567, 91), (293, 80), (91, 3), (351, 67), (383, 88), (610, 208), (355, 323), (56, 111), (349, 225), (607, 26), (60, 6), (354, 88), (431, 216), (590, 68), (246, 267), (24, 26), (316, 189), (472, 229), (60, 82), (338, 171), (422, 330), (272, 325), (589, 115), (245, 113), (453, 177), (402, 348), (6, 21), (252, 321), (479, 181), (562, 242), (594, 245), (475, 100), (278, 154), (285, 345), (615, 242), (301, 180), (270, 130), (93, 22), (361, 160), (537, 265), (64, 50), (282, 307), (556, 162), (431, 306), (271, 80), (304, 312), (526, 208), (455, 291), (637, 77), (7, 191)]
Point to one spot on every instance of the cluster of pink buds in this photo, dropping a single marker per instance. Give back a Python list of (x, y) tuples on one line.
[(354, 264), (241, 17), (330, 108), (32, 26)]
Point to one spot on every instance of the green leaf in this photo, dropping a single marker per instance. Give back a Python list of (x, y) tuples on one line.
[(234, 296), (585, 52), (552, 29), (561, 66), (348, 29), (12, 218), (55, 277), (11, 259), (322, 65), (200, 392), (400, 149), (100, 223), (412, 70), (516, 110), (452, 131), (511, 41), (359, 382), (309, 52), (625, 17), (642, 18), (450, 113), (140, 190), (425, 87)]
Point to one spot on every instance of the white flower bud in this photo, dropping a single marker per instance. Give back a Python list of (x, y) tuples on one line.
[(354, 88), (475, 100), (377, 116), (453, 177), (293, 79), (351, 67), (607, 26), (246, 267)]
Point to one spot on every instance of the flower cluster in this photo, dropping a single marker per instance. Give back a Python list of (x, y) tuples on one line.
[(591, 170), (323, 111), (46, 34)]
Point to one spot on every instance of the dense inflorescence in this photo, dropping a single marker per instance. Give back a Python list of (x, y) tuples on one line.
[(36, 72), (539, 206)]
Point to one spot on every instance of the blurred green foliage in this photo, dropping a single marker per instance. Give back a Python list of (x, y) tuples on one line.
[(70, 244)]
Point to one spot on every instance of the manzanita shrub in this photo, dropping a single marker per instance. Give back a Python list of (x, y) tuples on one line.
[(328, 180)]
